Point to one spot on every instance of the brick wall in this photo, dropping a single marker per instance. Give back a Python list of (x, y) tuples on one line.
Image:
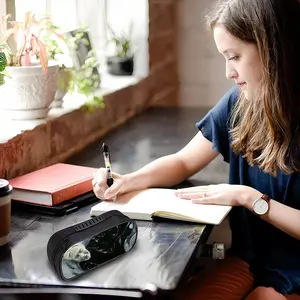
[(163, 52), (62, 137)]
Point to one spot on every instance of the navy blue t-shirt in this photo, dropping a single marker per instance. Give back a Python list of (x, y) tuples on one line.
[(273, 256)]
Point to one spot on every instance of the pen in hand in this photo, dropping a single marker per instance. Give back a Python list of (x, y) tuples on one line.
[(107, 161)]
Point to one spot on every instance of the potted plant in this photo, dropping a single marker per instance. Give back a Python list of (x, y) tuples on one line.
[(122, 61), (85, 79), (31, 84), (57, 49), (78, 65)]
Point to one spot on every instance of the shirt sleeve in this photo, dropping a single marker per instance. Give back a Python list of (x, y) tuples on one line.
[(215, 125)]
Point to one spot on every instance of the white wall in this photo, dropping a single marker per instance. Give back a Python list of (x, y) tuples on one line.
[(201, 66)]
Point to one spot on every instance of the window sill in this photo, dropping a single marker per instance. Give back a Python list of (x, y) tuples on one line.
[(71, 102)]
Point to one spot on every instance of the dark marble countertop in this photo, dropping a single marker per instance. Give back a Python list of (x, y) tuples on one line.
[(150, 135), (164, 250)]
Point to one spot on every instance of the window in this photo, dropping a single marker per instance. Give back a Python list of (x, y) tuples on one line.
[(21, 7), (120, 14), (2, 7), (71, 14)]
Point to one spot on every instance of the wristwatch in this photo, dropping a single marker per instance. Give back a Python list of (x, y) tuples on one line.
[(260, 206)]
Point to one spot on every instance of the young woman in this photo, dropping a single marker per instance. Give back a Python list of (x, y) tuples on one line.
[(255, 127)]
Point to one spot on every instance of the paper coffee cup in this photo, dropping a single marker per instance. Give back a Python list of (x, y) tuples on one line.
[(5, 211)]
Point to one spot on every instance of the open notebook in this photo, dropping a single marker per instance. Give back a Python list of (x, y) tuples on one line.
[(159, 202)]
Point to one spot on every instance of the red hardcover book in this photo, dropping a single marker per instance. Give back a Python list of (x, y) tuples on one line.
[(53, 185)]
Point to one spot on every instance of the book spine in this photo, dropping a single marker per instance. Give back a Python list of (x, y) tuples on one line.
[(72, 191)]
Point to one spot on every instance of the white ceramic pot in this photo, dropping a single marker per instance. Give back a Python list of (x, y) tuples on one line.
[(29, 92)]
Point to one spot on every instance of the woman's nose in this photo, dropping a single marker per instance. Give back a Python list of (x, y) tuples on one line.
[(231, 73)]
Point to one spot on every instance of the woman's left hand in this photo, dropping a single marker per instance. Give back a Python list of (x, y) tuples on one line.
[(221, 194)]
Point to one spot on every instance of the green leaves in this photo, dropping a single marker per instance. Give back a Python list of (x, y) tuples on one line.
[(121, 41), (3, 61), (2, 81), (85, 80), (93, 102), (3, 64), (123, 46)]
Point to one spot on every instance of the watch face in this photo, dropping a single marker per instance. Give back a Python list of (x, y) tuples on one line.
[(260, 206)]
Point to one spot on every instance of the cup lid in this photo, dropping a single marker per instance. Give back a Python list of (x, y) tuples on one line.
[(5, 187)]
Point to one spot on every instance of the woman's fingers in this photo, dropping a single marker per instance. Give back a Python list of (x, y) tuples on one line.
[(102, 190), (207, 200), (99, 183), (200, 192), (196, 195), (114, 189)]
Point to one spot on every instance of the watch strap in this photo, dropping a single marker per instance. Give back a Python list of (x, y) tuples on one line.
[(265, 197)]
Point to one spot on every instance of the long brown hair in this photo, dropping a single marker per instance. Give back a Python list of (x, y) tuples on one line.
[(265, 131)]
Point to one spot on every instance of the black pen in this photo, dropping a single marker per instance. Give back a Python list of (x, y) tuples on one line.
[(106, 155)]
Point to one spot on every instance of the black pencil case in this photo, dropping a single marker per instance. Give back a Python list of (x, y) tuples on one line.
[(83, 247)]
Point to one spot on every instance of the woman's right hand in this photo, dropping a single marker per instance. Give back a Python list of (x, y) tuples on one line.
[(102, 190)]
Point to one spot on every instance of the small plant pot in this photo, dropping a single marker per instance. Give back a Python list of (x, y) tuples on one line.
[(120, 65)]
